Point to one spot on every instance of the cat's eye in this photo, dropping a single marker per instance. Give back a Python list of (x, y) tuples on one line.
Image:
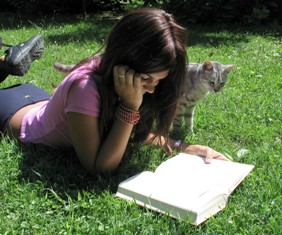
[(222, 84), (211, 83)]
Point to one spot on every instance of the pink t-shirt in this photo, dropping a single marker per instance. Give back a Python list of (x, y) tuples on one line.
[(47, 124)]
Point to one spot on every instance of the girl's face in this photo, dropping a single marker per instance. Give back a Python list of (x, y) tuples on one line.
[(151, 80)]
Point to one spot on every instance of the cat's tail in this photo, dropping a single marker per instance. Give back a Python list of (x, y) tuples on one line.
[(63, 68)]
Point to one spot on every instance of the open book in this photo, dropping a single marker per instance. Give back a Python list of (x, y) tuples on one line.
[(185, 186)]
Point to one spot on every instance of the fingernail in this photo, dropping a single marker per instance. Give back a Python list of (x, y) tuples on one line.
[(208, 160)]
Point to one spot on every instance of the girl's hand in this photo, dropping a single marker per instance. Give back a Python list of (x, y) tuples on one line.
[(211, 154), (128, 86), (193, 149), (204, 151)]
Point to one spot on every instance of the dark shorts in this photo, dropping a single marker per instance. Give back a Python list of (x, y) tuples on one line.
[(16, 97)]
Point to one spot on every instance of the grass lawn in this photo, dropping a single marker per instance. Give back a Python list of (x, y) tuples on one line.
[(45, 191)]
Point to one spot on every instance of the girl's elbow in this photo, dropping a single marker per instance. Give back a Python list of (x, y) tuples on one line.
[(104, 168), (101, 164)]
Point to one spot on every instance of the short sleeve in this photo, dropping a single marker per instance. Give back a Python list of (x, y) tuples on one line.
[(83, 97)]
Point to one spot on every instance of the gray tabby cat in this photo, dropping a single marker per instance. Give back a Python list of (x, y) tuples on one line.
[(202, 78)]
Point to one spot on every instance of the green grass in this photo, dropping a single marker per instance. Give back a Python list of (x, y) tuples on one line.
[(45, 191)]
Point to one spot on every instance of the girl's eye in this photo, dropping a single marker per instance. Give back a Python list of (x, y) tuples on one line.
[(145, 79)]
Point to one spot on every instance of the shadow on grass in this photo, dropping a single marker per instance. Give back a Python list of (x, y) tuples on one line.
[(215, 35), (93, 30), (61, 171), (97, 27)]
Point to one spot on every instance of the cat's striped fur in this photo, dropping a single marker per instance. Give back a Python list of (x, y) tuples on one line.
[(202, 78), (63, 68)]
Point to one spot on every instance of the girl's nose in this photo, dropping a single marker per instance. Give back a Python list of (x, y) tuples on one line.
[(156, 82), (150, 89), (152, 82)]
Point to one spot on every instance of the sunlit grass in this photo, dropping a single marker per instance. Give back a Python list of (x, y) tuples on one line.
[(44, 191)]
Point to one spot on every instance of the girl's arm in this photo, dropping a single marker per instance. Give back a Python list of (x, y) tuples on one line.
[(199, 150), (97, 156), (94, 155)]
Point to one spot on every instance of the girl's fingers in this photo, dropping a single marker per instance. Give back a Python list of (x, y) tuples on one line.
[(129, 77), (128, 86), (222, 157), (122, 70), (119, 73), (137, 80), (208, 159), (115, 73)]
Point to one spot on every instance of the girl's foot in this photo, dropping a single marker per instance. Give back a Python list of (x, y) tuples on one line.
[(18, 59)]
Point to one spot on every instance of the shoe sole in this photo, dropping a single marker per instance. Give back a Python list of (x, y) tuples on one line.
[(21, 64)]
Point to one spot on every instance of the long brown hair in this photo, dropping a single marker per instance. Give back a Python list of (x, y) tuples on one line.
[(148, 40)]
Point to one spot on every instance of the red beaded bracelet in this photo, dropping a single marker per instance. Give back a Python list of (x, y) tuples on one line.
[(127, 115)]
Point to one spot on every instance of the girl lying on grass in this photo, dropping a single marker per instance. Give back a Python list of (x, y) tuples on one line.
[(127, 93)]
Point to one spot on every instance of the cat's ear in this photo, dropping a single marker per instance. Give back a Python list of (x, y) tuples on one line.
[(229, 67), (207, 66)]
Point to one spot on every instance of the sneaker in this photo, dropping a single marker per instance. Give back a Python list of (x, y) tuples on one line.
[(20, 57)]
